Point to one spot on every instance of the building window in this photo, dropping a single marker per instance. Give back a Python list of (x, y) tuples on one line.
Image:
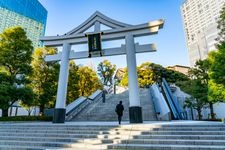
[(192, 37)]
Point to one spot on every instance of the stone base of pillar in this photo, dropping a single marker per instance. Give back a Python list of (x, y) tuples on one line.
[(59, 115), (135, 114)]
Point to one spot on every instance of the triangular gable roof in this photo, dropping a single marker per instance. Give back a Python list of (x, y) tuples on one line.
[(97, 17)]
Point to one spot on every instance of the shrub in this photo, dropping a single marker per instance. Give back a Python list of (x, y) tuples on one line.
[(26, 118)]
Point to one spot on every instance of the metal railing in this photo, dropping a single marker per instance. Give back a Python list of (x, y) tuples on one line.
[(79, 104)]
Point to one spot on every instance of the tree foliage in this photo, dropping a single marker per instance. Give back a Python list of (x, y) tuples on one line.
[(197, 86), (149, 73), (221, 26), (216, 64), (196, 104), (88, 81), (73, 87), (44, 78), (29, 99), (217, 73), (82, 81), (106, 71), (15, 58), (15, 54)]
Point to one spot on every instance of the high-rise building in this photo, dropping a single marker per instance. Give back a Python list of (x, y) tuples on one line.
[(200, 25), (29, 14)]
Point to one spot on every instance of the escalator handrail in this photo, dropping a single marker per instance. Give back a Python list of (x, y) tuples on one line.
[(173, 109), (174, 100)]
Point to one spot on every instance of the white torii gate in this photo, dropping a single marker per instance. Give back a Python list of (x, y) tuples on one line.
[(118, 31)]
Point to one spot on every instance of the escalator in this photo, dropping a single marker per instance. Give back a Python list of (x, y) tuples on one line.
[(176, 109)]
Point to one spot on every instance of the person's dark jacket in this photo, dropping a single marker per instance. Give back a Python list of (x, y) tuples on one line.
[(119, 109)]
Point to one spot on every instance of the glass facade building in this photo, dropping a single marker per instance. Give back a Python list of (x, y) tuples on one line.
[(29, 14)]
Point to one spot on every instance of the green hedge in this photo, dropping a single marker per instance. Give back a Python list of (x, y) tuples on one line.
[(26, 118)]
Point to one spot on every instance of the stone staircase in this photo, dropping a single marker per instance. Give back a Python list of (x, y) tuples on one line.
[(165, 136), (99, 111)]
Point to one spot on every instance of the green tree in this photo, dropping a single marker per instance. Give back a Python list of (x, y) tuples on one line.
[(196, 104), (88, 81), (221, 26), (5, 91), (28, 101), (198, 93), (174, 76), (217, 73), (15, 58), (149, 73), (73, 87), (216, 64), (145, 75), (106, 71), (198, 87), (44, 78)]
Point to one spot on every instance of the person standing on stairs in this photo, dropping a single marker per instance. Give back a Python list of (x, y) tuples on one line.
[(119, 110)]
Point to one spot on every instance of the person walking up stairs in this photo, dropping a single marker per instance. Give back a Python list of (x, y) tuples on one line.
[(119, 110)]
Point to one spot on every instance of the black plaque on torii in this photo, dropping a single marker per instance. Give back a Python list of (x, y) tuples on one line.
[(94, 44)]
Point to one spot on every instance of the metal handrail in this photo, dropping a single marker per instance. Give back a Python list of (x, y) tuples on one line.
[(79, 104), (178, 112), (170, 102)]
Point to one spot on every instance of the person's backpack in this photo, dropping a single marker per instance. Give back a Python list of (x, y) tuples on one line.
[(116, 110)]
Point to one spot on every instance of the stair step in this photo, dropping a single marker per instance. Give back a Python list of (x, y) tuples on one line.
[(90, 136), (52, 145), (162, 147), (56, 139), (80, 147), (9, 147), (70, 131), (200, 137), (44, 132), (150, 128), (174, 142), (183, 133), (105, 126)]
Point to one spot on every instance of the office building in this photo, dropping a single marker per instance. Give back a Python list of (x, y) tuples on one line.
[(29, 14), (200, 25)]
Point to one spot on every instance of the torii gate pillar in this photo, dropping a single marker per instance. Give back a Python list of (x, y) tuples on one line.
[(135, 111), (60, 110)]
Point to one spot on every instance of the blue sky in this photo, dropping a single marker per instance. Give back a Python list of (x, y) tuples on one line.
[(64, 15)]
